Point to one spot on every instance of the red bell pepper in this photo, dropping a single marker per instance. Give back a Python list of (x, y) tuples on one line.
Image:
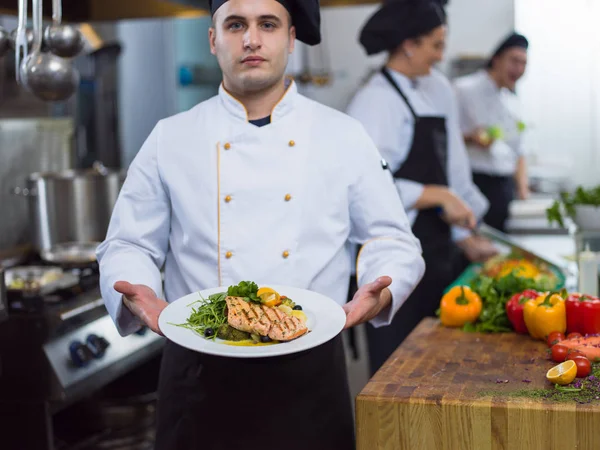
[(583, 314), (514, 309)]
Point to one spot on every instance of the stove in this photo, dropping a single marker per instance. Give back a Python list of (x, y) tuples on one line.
[(57, 349)]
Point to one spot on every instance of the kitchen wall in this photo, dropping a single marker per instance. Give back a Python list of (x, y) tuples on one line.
[(475, 27), (155, 50)]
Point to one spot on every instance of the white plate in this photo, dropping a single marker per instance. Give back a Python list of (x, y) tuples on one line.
[(326, 319)]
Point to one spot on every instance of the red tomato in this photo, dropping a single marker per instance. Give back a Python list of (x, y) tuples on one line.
[(584, 367), (559, 353), (574, 335), (571, 353), (555, 337)]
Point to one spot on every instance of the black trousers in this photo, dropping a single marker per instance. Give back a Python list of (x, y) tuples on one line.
[(298, 401), (500, 191)]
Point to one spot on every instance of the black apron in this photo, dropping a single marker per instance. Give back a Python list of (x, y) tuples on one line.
[(294, 402), (426, 163), (500, 191)]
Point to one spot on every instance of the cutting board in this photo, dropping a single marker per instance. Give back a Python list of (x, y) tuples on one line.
[(432, 394)]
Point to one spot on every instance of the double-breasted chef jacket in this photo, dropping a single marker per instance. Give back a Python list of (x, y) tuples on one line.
[(217, 200)]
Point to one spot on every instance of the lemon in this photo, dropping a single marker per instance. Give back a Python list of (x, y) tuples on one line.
[(300, 315), (268, 296), (563, 374), (286, 309)]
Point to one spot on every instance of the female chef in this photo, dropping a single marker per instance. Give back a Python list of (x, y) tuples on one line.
[(409, 110), (247, 186), (492, 128)]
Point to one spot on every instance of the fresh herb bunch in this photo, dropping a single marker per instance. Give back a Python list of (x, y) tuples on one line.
[(246, 289), (568, 201), (211, 313), (495, 293)]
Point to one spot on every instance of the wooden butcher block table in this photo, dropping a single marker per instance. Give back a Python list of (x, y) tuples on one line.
[(430, 395)]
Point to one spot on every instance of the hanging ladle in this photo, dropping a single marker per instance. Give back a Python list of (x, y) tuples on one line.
[(62, 40), (48, 76)]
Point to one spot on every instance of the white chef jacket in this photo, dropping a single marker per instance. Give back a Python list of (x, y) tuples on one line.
[(389, 122), (483, 104), (217, 200)]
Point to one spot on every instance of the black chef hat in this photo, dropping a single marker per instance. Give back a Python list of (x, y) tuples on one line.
[(399, 20), (511, 41), (306, 17)]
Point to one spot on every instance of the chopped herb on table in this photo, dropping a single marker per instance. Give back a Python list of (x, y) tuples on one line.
[(583, 390)]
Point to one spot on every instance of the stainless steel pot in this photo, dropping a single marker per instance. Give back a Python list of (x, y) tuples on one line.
[(71, 206)]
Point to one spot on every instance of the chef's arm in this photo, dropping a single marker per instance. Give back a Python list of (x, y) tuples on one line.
[(137, 239), (380, 226), (521, 178)]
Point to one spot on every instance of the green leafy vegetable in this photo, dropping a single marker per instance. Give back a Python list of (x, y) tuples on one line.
[(495, 293), (566, 204), (209, 314), (246, 289)]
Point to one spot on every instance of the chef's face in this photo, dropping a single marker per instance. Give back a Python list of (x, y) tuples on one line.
[(252, 40), (510, 66), (426, 51)]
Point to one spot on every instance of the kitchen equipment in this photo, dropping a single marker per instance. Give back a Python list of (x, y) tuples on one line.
[(71, 253), (59, 349), (72, 205), (38, 280), (587, 217), (62, 40), (97, 112), (27, 146), (12, 39), (4, 41), (502, 238), (48, 76), (21, 40)]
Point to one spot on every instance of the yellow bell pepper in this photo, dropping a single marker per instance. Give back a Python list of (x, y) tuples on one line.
[(459, 306), (545, 314)]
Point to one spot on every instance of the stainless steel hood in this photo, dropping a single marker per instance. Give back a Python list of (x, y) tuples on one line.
[(109, 10)]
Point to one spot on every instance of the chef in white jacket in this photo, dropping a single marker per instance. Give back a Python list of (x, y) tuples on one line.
[(258, 183), (492, 127), (409, 110)]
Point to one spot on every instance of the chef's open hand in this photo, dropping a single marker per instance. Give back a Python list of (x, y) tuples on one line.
[(368, 302), (477, 248), (142, 302), (456, 212)]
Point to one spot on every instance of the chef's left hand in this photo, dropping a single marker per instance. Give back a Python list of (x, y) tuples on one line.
[(477, 248), (368, 302)]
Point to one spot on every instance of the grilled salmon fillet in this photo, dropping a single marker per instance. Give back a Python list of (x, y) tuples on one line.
[(263, 320)]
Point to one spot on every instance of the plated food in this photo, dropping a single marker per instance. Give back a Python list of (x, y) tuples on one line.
[(247, 314), (248, 321)]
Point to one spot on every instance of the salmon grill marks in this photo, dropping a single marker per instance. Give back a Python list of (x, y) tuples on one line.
[(263, 320)]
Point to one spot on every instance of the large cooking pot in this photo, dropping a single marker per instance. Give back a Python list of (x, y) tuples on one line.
[(71, 206)]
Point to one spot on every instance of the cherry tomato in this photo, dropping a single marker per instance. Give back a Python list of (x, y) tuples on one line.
[(574, 335), (559, 353), (555, 337), (584, 367), (573, 353)]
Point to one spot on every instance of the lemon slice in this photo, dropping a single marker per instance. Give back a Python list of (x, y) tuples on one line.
[(268, 296), (300, 315), (563, 374), (286, 309)]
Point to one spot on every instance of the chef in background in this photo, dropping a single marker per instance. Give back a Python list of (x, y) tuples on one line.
[(247, 186), (409, 110), (492, 128)]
